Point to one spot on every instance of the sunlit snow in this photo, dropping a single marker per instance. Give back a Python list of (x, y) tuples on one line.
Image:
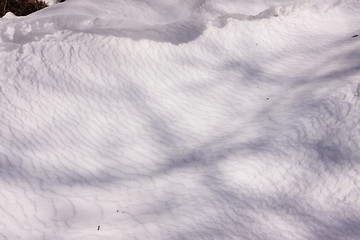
[(181, 119)]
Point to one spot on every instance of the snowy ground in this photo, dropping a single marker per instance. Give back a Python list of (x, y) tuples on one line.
[(181, 119)]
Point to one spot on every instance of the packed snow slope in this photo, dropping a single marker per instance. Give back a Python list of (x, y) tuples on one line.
[(181, 119)]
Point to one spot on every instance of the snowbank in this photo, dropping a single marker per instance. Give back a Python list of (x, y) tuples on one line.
[(181, 120)]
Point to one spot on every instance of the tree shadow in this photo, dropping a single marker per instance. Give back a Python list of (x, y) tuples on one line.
[(318, 131)]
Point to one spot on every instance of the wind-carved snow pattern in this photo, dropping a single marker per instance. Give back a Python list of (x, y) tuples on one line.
[(181, 120)]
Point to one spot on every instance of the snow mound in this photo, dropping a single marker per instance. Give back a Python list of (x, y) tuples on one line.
[(170, 119), (167, 21)]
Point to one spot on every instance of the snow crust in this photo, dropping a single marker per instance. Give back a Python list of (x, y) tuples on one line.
[(170, 119)]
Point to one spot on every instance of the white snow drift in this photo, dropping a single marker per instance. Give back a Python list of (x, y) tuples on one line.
[(160, 119)]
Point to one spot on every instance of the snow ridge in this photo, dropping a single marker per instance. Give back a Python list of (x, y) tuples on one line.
[(189, 25)]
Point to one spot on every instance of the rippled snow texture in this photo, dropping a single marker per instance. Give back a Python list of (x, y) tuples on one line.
[(181, 120)]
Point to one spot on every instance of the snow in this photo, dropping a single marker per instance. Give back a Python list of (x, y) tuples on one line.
[(175, 119)]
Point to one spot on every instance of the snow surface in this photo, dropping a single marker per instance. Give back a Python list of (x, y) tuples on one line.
[(181, 119)]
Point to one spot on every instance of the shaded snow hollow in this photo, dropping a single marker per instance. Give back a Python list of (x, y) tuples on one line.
[(169, 119)]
